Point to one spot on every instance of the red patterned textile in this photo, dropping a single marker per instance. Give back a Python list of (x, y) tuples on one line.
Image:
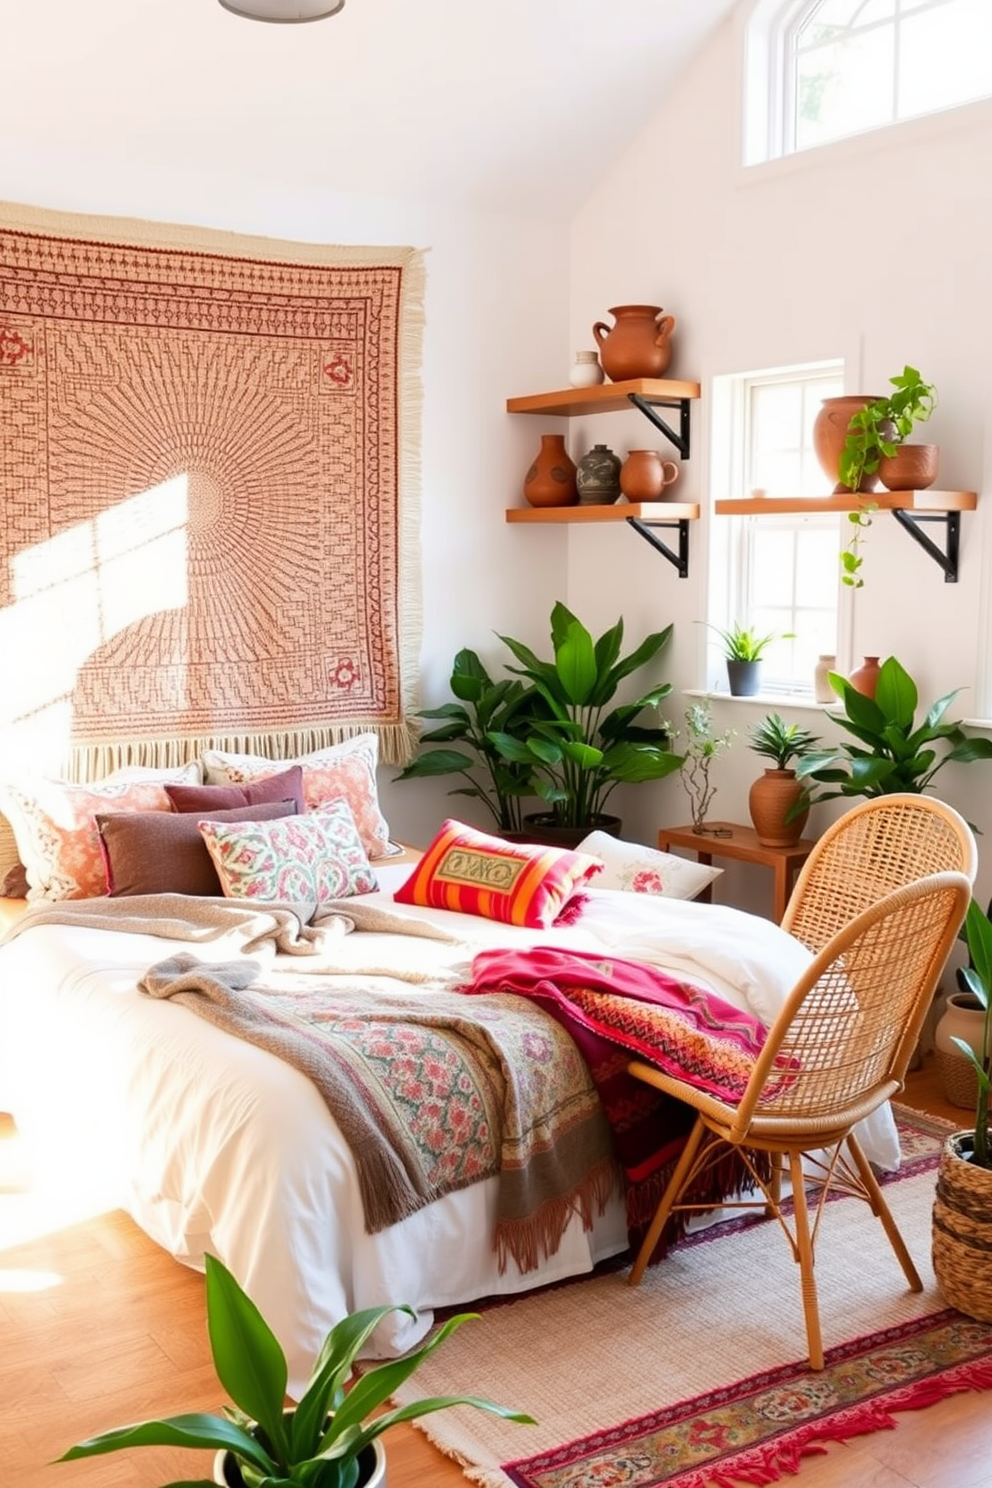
[(207, 474), (614, 1008)]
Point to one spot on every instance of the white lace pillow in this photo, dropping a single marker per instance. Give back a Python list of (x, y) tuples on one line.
[(54, 825), (343, 772), (645, 870)]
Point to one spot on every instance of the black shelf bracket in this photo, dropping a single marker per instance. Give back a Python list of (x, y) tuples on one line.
[(946, 558), (679, 559), (649, 407)]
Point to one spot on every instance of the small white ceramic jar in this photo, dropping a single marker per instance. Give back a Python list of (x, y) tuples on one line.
[(587, 372)]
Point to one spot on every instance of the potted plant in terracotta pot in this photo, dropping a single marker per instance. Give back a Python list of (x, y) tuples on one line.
[(962, 1211), (329, 1440), (778, 801), (575, 748)]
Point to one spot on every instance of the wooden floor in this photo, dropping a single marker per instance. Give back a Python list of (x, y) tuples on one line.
[(99, 1327)]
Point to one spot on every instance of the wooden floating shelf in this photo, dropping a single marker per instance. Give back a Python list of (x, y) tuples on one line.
[(658, 513), (913, 501), (608, 397)]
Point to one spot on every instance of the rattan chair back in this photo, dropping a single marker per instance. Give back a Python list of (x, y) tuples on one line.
[(877, 846)]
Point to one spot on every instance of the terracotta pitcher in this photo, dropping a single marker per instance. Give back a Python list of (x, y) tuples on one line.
[(638, 345), (645, 474)]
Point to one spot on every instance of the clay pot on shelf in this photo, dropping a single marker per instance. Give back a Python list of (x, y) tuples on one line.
[(597, 477), (830, 432), (913, 467), (645, 474), (770, 799), (865, 677), (638, 344), (550, 481)]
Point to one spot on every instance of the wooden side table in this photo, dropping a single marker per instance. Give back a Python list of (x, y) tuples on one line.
[(741, 844)]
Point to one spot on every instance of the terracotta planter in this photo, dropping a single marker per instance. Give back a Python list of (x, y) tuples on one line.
[(541, 827), (830, 432), (770, 799), (962, 1230), (913, 467), (550, 481), (645, 474), (638, 345)]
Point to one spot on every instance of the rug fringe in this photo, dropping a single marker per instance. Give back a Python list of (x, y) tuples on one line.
[(760, 1466)]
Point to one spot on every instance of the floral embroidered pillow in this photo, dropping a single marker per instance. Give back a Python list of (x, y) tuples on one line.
[(644, 870), (519, 883), (54, 824), (341, 771), (304, 859)]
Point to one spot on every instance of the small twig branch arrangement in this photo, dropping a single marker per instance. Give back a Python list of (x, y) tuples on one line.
[(702, 748)]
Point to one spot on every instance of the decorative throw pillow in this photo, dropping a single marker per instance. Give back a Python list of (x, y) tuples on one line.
[(644, 870), (305, 859), (55, 828), (341, 771), (163, 852), (287, 785), (519, 883)]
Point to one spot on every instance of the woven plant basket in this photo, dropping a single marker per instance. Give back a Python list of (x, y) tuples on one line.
[(957, 1078), (962, 1230)]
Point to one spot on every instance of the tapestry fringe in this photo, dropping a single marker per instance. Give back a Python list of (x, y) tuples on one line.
[(528, 1242), (87, 762)]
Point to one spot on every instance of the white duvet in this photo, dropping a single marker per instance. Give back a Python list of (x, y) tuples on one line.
[(214, 1145)]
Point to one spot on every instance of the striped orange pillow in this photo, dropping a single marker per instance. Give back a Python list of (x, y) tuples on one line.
[(520, 883)]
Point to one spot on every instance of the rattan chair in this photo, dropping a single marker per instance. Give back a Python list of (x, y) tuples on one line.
[(838, 1049), (877, 846)]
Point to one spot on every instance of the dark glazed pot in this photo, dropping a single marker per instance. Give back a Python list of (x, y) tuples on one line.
[(743, 677), (541, 827)]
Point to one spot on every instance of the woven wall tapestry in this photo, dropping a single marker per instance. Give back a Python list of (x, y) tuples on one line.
[(208, 490)]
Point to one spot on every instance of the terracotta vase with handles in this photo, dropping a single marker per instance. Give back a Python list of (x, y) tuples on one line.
[(550, 481), (637, 345), (830, 432), (645, 474)]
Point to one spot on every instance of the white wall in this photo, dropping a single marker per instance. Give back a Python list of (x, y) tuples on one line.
[(496, 325), (874, 249)]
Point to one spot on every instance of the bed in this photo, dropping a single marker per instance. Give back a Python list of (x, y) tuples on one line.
[(214, 1144)]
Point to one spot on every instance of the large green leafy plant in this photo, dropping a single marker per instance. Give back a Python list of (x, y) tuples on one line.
[(889, 751), (484, 707), (317, 1444), (576, 749), (978, 979)]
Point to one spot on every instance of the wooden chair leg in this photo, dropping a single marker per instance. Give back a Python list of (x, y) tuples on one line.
[(668, 1199), (773, 1189), (804, 1255), (884, 1213)]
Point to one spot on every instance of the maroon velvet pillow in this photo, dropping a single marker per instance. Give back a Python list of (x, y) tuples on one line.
[(162, 852), (206, 799)]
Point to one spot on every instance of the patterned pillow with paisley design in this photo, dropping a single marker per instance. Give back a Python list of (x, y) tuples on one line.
[(305, 859)]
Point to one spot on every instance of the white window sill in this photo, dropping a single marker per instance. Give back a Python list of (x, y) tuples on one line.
[(776, 700)]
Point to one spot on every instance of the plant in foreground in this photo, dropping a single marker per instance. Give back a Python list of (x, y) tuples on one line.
[(315, 1444), (978, 979)]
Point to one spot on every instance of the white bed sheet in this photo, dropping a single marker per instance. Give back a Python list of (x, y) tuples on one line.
[(214, 1145)]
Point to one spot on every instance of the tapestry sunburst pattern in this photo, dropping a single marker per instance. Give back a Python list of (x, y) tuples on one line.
[(208, 476)]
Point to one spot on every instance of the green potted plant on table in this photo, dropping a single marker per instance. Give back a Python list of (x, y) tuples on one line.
[(329, 1440), (574, 748), (875, 448), (962, 1212), (484, 708), (778, 800), (888, 751)]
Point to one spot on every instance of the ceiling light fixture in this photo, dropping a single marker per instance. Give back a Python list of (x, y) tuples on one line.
[(283, 10)]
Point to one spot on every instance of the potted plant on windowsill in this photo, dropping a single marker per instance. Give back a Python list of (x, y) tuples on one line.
[(778, 801), (962, 1211), (574, 748), (329, 1440), (743, 650), (888, 750)]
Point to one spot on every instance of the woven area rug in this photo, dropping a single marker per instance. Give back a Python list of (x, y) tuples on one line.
[(209, 468), (698, 1376)]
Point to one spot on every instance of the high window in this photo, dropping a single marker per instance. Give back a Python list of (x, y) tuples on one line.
[(778, 572), (819, 70)]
